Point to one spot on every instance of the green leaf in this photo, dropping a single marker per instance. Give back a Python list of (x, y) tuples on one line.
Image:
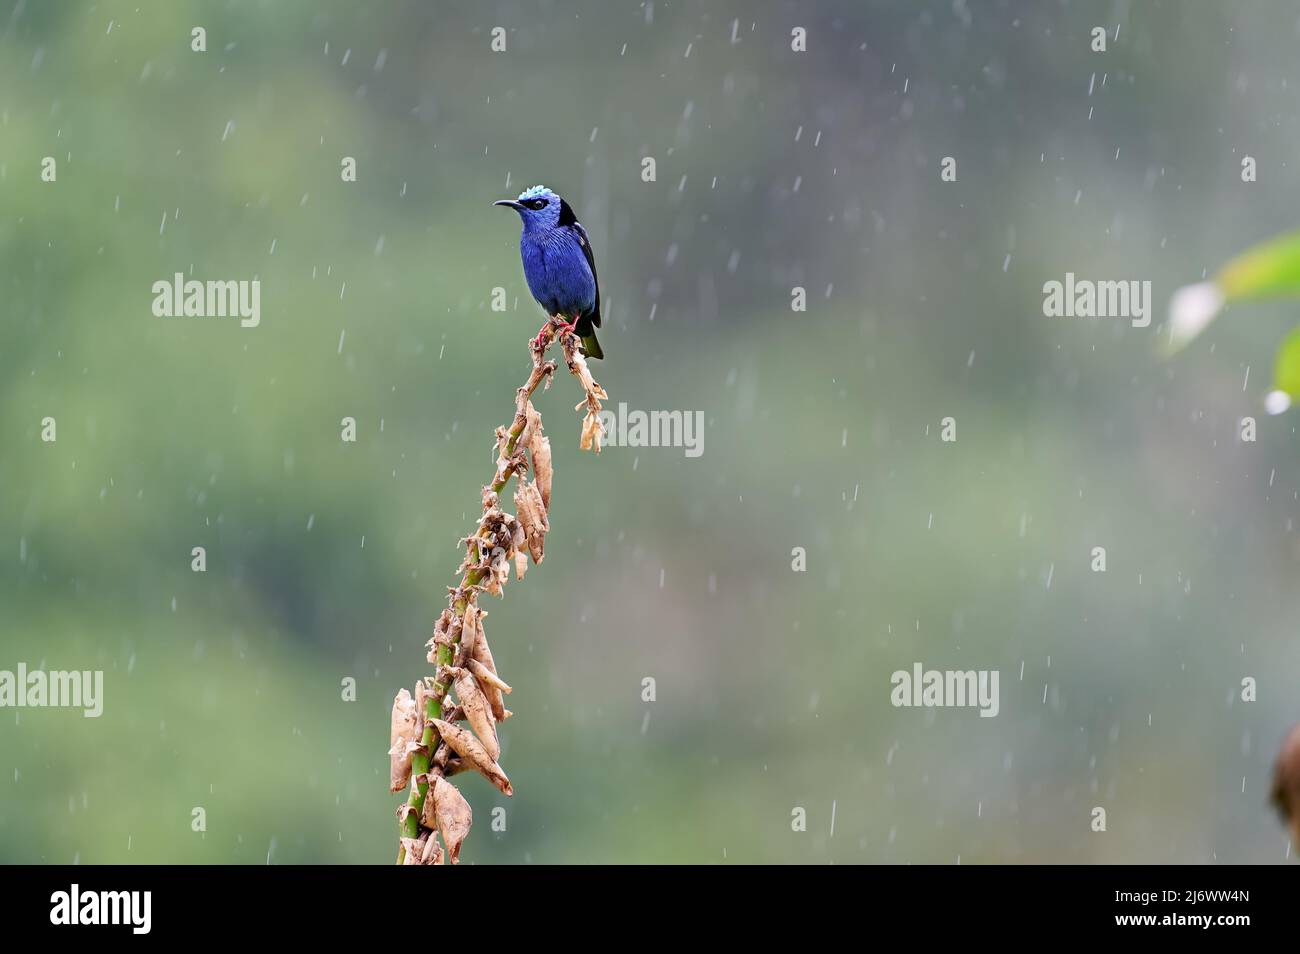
[(1269, 269), (1286, 365)]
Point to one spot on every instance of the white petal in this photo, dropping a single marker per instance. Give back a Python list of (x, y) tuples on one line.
[(1191, 309), (1276, 402)]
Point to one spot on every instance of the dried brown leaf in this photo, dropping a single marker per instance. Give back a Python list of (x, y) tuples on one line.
[(470, 631), (542, 470), (592, 432), (485, 675), (422, 695), (445, 633), (432, 854), (532, 514), (532, 426), (412, 849), (478, 712), (578, 365), (429, 813), (483, 656), (405, 738), (424, 850), (453, 815), (463, 743), (498, 575)]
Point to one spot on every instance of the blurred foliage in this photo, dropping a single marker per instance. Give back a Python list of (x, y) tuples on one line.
[(1270, 268), (1286, 365), (775, 169), (1267, 270)]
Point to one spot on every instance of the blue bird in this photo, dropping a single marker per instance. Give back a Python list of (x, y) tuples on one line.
[(558, 263)]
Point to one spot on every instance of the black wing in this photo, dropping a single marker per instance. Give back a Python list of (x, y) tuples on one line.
[(584, 242)]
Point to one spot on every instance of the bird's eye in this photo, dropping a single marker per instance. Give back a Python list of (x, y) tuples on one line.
[(538, 203)]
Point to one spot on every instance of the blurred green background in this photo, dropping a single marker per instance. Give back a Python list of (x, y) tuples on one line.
[(776, 169)]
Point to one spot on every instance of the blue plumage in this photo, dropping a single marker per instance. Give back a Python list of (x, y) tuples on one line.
[(558, 262)]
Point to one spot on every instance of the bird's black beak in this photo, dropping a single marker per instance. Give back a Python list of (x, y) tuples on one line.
[(509, 203)]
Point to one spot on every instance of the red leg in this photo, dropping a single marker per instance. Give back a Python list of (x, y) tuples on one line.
[(565, 327)]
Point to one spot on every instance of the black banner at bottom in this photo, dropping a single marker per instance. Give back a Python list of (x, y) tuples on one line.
[(301, 903)]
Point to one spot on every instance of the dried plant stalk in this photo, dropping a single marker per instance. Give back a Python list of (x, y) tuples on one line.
[(427, 745)]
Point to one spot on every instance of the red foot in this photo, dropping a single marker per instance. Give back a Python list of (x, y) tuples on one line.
[(562, 328)]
